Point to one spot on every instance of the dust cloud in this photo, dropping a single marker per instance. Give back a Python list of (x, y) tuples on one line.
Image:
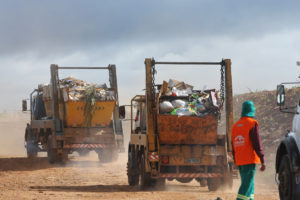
[(87, 178), (12, 130)]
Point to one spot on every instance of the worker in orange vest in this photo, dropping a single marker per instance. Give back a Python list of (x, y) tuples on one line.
[(247, 150)]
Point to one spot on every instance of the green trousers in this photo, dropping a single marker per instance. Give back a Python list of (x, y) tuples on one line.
[(246, 191)]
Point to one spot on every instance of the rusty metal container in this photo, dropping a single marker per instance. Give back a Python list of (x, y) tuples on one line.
[(173, 129)]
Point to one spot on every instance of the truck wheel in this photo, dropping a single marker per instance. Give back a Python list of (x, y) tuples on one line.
[(286, 183), (214, 184), (83, 152), (184, 180), (107, 155), (132, 169), (145, 176), (160, 183), (51, 153), (31, 144), (31, 149), (103, 158), (202, 181), (63, 157)]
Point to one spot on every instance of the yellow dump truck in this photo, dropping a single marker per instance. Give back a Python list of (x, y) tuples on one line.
[(183, 144), (65, 119)]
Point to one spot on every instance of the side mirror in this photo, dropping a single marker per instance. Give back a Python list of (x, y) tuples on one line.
[(280, 95), (24, 105), (122, 112)]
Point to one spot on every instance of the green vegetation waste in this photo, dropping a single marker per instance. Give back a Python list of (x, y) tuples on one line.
[(89, 106)]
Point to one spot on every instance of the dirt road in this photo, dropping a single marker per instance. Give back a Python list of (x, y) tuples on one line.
[(85, 177)]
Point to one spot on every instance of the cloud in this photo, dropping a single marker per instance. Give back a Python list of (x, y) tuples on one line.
[(60, 26), (261, 38)]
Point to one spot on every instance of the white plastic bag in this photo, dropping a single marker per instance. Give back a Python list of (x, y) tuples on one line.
[(165, 107), (178, 103)]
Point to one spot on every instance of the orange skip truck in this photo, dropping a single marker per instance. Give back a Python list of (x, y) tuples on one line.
[(57, 123), (167, 147)]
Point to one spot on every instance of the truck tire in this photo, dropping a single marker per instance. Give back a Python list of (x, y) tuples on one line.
[(63, 157), (184, 180), (107, 155), (145, 176), (83, 152), (102, 157), (51, 153), (132, 169), (31, 149), (214, 184), (202, 182), (160, 184), (31, 144), (286, 182)]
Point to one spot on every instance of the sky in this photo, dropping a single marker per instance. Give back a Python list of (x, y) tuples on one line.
[(262, 39)]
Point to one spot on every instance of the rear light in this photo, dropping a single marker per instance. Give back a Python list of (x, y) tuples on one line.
[(164, 159)]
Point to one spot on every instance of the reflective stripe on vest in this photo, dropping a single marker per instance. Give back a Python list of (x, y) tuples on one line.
[(242, 145)]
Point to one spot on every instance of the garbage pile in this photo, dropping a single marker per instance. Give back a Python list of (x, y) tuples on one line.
[(73, 89), (176, 88), (178, 98)]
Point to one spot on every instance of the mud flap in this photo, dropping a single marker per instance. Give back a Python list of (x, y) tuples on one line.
[(297, 187)]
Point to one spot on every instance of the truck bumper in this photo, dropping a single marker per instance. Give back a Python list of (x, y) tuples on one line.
[(191, 175), (88, 146)]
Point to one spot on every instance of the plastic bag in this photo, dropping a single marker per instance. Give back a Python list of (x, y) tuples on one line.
[(183, 112), (200, 107), (178, 103), (182, 92), (166, 107)]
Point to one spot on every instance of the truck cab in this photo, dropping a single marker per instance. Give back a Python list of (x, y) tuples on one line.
[(288, 153)]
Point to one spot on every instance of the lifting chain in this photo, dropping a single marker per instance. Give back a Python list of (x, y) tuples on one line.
[(110, 76), (153, 72), (222, 84), (59, 90), (57, 79)]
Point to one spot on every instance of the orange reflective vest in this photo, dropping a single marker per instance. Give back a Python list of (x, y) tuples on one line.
[(244, 152)]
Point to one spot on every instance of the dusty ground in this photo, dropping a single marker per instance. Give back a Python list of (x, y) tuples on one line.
[(86, 178)]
